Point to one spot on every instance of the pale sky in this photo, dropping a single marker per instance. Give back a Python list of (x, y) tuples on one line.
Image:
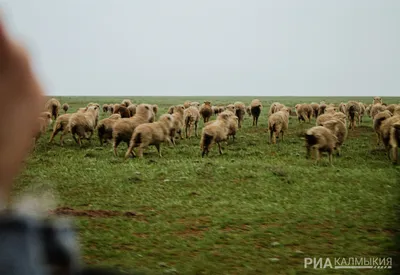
[(211, 47)]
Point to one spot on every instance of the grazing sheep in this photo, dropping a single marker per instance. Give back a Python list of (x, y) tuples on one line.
[(353, 113), (151, 134), (391, 107), (233, 124), (126, 102), (53, 107), (178, 121), (320, 139), (339, 129), (191, 117), (322, 107), (105, 126), (82, 124), (215, 132), (342, 107), (378, 119), (155, 108), (132, 110), (124, 112), (124, 127), (385, 131), (362, 111), (255, 108), (315, 107), (111, 108), (195, 104), (278, 123), (377, 108), (395, 141), (377, 100), (272, 108), (61, 124), (116, 108), (304, 112), (231, 108), (171, 109), (105, 108), (240, 109), (65, 107), (206, 111), (325, 117), (248, 110)]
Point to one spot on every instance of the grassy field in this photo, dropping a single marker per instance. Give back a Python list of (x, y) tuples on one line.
[(257, 209)]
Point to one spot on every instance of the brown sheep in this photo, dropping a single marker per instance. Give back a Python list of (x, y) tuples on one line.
[(339, 129), (116, 108), (178, 122), (191, 117), (124, 127), (44, 121), (378, 119), (396, 111), (325, 117), (93, 104), (255, 108), (391, 107), (320, 139), (105, 126), (315, 107), (342, 108), (124, 112), (385, 131), (206, 111), (230, 107), (111, 108), (155, 108), (278, 123), (126, 102), (233, 124), (61, 125), (186, 104), (377, 100), (362, 111), (151, 134), (132, 110), (65, 107), (215, 132), (171, 109), (353, 113), (248, 110), (322, 107), (195, 104), (304, 112), (82, 124), (330, 110), (105, 108), (53, 107), (240, 109), (395, 141)]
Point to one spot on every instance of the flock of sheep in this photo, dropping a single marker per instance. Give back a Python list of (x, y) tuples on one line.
[(136, 125)]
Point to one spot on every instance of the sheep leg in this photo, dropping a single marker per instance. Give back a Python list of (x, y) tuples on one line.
[(140, 152), (129, 151), (195, 129), (53, 135), (180, 133), (330, 156), (158, 149), (254, 119), (317, 155), (79, 141), (378, 139), (271, 137), (74, 137), (219, 148), (116, 142)]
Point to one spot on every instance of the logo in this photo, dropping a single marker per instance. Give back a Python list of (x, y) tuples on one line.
[(348, 263)]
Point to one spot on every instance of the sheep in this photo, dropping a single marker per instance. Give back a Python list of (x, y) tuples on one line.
[(377, 100), (105, 108), (233, 124), (353, 112), (195, 104), (362, 111), (304, 112), (215, 132), (61, 124), (231, 107), (395, 141), (385, 131), (339, 129), (191, 117), (151, 134), (322, 107), (377, 108), (126, 102), (378, 119), (248, 110), (93, 104), (82, 124), (123, 111), (272, 108), (65, 107), (255, 108), (342, 108), (132, 110), (178, 121), (111, 108), (240, 109), (171, 109), (320, 139), (53, 106), (116, 108), (325, 117), (330, 110), (206, 111), (105, 126), (278, 123), (391, 107), (315, 107), (186, 104), (124, 127), (396, 111), (44, 121), (155, 108)]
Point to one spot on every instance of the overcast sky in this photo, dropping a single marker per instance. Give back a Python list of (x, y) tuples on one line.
[(212, 47)]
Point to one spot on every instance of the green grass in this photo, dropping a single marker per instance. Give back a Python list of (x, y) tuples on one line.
[(229, 214)]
